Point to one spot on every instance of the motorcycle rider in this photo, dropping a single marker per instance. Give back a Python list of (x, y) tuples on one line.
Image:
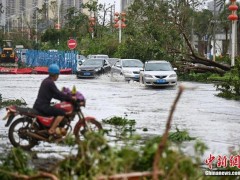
[(48, 91)]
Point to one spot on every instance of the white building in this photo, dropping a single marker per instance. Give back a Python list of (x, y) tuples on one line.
[(18, 13)]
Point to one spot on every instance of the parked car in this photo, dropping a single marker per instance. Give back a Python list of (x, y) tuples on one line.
[(158, 73), (93, 67), (129, 68), (91, 56)]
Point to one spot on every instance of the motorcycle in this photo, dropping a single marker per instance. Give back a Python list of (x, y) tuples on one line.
[(32, 127)]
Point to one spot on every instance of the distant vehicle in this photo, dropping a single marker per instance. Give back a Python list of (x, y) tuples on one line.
[(21, 54), (129, 68), (158, 73), (91, 68), (112, 61), (53, 50), (8, 54), (91, 56)]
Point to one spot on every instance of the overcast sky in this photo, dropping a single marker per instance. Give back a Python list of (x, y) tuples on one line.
[(111, 2)]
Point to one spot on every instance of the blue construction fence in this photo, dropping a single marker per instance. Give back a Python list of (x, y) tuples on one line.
[(65, 59)]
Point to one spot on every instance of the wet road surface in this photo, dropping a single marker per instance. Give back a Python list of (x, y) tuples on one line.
[(211, 119)]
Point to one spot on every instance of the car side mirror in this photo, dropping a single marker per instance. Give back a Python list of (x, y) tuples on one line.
[(175, 69)]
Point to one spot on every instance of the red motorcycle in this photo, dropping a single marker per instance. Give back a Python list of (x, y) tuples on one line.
[(31, 127)]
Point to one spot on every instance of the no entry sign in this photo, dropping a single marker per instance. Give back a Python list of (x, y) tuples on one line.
[(72, 43)]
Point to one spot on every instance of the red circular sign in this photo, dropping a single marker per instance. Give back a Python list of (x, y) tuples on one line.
[(72, 43)]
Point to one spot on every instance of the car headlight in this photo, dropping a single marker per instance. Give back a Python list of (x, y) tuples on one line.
[(97, 69), (173, 75), (147, 75)]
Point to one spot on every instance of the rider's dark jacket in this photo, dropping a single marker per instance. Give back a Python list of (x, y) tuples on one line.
[(48, 91)]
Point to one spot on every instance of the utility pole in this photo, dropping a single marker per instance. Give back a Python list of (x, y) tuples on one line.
[(22, 24), (74, 4), (120, 24), (58, 17), (36, 26), (214, 30), (192, 33)]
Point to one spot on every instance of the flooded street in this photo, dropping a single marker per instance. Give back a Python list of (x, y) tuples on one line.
[(211, 119)]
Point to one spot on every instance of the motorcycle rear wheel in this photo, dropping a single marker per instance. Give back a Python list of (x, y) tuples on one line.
[(17, 134), (91, 125)]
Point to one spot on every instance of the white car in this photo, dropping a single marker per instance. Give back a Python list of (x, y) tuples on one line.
[(129, 68), (158, 73), (92, 56)]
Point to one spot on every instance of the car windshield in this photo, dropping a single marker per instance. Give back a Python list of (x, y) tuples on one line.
[(93, 62), (98, 56), (158, 67), (132, 63)]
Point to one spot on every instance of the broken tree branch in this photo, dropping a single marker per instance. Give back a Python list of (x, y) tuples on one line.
[(163, 142)]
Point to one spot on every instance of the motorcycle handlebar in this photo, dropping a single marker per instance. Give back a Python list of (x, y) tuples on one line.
[(78, 102)]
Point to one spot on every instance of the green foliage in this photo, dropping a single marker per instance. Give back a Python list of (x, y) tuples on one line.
[(229, 85), (51, 35), (16, 102), (200, 147), (180, 136), (16, 161), (96, 157), (119, 121), (198, 77), (174, 164), (106, 45), (120, 126), (147, 153), (146, 38), (223, 59)]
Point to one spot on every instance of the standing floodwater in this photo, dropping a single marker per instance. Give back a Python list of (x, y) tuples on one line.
[(211, 119)]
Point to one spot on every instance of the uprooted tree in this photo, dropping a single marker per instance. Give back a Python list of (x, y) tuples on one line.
[(164, 30), (180, 13)]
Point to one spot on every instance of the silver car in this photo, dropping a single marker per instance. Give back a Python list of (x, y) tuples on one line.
[(129, 68), (158, 73), (92, 56)]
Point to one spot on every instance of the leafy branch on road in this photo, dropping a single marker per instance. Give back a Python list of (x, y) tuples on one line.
[(17, 102)]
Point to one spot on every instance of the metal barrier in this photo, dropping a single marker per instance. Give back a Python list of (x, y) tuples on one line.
[(65, 59)]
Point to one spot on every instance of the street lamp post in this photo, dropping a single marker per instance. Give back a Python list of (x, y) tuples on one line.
[(214, 31), (58, 25), (233, 17), (36, 26), (120, 23), (22, 24)]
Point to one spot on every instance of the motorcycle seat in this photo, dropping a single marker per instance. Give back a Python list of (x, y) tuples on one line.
[(26, 110)]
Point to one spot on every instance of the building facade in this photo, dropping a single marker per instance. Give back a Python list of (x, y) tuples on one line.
[(20, 13), (124, 4)]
